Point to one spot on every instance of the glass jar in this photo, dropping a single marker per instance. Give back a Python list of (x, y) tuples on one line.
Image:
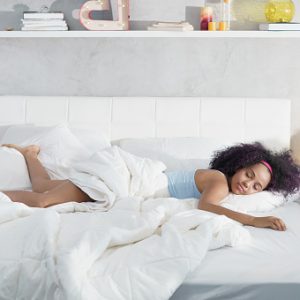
[(279, 11), (219, 12), (225, 14)]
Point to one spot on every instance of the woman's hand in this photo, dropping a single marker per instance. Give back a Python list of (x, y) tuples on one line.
[(271, 222)]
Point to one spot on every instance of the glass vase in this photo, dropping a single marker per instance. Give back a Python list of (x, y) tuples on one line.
[(279, 11)]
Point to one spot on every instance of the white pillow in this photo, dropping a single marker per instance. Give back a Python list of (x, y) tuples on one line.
[(258, 202), (13, 170), (59, 150), (93, 140), (184, 153), (59, 147), (3, 129), (17, 134)]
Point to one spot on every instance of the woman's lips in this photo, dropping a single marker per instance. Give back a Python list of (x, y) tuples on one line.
[(240, 188)]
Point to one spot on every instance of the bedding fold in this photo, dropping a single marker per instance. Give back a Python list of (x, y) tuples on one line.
[(124, 253), (124, 249), (113, 173)]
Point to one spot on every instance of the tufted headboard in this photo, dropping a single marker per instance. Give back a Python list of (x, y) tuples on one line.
[(235, 119)]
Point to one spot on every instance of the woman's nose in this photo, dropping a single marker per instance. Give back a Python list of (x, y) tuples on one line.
[(246, 184)]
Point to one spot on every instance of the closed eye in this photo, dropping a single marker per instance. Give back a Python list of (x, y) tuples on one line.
[(249, 174), (257, 187)]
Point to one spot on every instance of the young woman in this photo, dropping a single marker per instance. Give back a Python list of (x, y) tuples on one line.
[(242, 169)]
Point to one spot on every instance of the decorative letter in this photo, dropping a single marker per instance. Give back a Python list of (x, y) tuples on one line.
[(122, 23)]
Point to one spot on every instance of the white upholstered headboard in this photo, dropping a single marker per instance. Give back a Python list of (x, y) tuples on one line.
[(235, 119)]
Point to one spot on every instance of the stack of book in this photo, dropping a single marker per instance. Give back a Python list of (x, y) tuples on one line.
[(171, 26), (43, 21), (279, 26)]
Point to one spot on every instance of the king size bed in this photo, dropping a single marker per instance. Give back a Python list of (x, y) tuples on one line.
[(135, 246)]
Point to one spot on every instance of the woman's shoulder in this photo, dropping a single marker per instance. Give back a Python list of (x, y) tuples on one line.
[(204, 177), (212, 173)]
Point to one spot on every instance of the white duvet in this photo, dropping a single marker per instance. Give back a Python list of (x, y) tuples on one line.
[(138, 249)]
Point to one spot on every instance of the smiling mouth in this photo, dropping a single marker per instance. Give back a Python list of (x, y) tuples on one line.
[(240, 188)]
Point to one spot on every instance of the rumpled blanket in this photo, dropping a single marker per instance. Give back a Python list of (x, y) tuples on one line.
[(141, 248), (113, 173)]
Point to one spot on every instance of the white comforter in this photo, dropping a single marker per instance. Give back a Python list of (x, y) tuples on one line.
[(139, 249)]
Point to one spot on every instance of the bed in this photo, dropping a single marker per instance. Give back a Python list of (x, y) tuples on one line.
[(79, 251), (266, 270)]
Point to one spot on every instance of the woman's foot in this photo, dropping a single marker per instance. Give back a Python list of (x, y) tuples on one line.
[(32, 150)]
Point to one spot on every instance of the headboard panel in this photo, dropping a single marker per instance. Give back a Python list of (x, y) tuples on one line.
[(235, 119)]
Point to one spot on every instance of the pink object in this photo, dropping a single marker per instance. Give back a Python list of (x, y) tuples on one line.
[(95, 5), (268, 166), (206, 16)]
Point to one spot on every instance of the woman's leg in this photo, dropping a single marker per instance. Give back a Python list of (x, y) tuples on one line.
[(39, 177), (65, 192)]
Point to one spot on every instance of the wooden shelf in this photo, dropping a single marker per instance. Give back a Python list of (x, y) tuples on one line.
[(149, 34)]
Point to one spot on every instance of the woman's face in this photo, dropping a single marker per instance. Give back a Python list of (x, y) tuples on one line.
[(250, 180)]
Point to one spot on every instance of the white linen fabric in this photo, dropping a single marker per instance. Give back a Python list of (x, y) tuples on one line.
[(180, 153), (257, 202), (93, 140), (20, 133), (113, 173), (13, 170), (267, 269), (3, 129), (124, 253), (59, 147)]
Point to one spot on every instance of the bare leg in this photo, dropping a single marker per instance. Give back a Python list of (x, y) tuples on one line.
[(39, 177), (65, 192)]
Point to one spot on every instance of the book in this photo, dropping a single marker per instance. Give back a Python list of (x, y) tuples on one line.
[(44, 22), (51, 28), (44, 27), (168, 29), (41, 15), (279, 26), (171, 26)]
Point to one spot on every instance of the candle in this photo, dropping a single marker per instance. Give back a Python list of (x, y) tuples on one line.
[(212, 26), (206, 16)]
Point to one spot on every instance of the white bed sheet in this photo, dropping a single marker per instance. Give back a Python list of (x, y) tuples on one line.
[(266, 266)]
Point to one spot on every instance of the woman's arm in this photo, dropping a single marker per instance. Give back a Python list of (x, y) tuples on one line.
[(213, 192), (261, 222), (215, 188), (240, 217)]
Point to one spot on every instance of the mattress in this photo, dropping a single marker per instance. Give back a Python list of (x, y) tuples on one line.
[(267, 269)]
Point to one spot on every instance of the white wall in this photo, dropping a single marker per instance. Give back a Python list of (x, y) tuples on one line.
[(153, 67)]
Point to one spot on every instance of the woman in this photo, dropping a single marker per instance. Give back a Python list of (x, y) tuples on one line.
[(242, 169)]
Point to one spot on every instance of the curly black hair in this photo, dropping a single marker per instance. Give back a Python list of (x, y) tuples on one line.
[(285, 173)]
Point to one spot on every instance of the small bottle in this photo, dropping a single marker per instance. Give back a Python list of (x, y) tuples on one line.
[(225, 15), (212, 26), (206, 16)]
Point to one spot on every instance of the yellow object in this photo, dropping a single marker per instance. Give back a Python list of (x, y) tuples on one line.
[(246, 11), (222, 26), (279, 11), (212, 26)]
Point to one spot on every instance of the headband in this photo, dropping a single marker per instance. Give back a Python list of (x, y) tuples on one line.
[(267, 165)]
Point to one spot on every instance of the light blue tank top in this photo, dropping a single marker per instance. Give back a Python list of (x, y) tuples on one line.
[(181, 184)]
